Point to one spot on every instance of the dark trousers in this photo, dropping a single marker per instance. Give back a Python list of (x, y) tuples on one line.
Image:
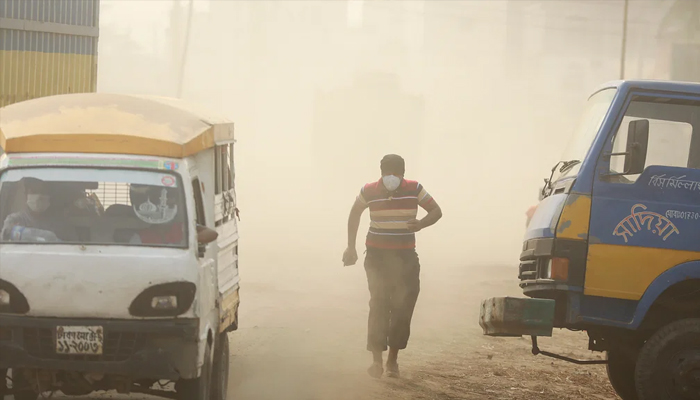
[(394, 283)]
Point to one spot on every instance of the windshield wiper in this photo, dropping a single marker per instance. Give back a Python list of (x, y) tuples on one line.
[(565, 166)]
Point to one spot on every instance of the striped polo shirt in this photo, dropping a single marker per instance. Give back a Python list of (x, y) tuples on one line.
[(390, 212)]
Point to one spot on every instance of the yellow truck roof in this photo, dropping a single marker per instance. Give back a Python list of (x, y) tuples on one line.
[(110, 124)]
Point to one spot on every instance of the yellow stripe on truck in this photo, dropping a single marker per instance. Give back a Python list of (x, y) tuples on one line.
[(625, 272), (106, 144), (575, 218)]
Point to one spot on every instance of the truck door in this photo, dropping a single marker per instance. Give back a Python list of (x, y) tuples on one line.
[(207, 257), (225, 211), (642, 225)]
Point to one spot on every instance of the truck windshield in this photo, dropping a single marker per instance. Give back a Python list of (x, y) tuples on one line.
[(586, 130), (92, 206)]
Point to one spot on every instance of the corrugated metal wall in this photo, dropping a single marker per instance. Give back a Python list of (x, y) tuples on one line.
[(47, 47)]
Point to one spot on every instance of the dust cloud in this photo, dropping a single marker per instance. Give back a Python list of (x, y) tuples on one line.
[(320, 90), (480, 98)]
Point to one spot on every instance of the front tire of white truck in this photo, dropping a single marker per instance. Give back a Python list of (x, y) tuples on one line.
[(198, 388), (668, 367), (23, 389), (3, 383)]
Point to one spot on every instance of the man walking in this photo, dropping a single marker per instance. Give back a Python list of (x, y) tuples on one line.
[(391, 262)]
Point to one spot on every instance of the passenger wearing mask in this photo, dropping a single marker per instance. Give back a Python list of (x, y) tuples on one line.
[(34, 223)]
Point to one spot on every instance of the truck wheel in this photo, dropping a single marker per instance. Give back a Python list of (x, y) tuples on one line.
[(3, 383), (198, 388), (25, 391), (620, 370), (26, 395), (668, 367), (219, 380), (21, 386)]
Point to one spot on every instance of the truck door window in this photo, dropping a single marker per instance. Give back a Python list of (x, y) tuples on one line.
[(670, 134), (224, 188)]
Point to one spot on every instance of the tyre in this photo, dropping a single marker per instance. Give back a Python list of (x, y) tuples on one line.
[(219, 382), (620, 370), (668, 367), (26, 395), (21, 387), (3, 383), (198, 388)]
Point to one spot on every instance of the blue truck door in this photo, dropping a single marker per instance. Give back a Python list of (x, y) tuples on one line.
[(642, 225)]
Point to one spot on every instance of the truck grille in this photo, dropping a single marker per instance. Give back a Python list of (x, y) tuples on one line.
[(118, 346), (528, 270)]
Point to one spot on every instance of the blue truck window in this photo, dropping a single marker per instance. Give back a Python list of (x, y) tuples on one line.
[(670, 135)]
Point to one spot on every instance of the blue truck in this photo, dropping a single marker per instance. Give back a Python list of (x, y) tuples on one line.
[(613, 246)]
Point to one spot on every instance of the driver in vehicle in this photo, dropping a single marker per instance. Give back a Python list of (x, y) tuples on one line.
[(35, 222)]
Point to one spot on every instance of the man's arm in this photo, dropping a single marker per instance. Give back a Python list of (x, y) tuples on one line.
[(11, 221), (354, 222), (350, 255), (434, 215), (426, 202)]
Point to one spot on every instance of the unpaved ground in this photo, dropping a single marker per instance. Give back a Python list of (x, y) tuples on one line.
[(309, 344), (302, 337)]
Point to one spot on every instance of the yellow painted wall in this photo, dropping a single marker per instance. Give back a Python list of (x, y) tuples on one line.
[(26, 75)]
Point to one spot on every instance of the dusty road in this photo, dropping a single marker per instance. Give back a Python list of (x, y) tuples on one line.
[(302, 337), (310, 345)]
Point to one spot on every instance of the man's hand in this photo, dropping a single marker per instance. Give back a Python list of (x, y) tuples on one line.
[(414, 225), (349, 256)]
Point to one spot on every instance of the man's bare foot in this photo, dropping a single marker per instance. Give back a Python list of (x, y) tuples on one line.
[(375, 370), (392, 370)]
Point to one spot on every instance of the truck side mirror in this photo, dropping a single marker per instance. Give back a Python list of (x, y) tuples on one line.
[(206, 235), (637, 143)]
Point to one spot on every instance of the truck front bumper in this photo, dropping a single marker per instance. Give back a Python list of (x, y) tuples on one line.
[(510, 316), (148, 349)]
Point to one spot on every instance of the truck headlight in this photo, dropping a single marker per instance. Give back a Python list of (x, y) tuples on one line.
[(4, 298), (557, 269), (164, 302)]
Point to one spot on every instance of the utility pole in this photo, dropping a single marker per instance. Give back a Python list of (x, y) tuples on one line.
[(515, 38), (183, 61), (624, 40)]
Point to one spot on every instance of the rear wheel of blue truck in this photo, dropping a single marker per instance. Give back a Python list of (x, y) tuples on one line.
[(620, 368), (668, 367)]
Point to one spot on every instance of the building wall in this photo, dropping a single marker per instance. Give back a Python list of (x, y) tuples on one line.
[(47, 47)]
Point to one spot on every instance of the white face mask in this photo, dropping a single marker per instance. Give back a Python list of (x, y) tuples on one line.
[(38, 202), (391, 182)]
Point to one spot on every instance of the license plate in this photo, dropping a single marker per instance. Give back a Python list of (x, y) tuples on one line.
[(85, 340)]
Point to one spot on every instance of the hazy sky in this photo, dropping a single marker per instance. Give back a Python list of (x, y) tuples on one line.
[(144, 20), (479, 100)]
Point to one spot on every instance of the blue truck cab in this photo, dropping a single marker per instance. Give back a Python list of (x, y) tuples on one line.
[(613, 247)]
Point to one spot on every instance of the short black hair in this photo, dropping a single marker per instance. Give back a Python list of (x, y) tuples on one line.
[(393, 163), (34, 185)]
